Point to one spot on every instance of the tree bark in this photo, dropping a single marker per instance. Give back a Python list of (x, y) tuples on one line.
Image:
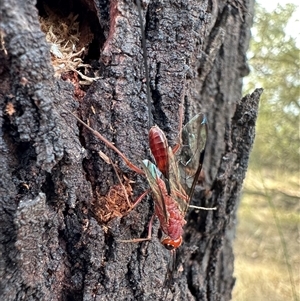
[(53, 244)]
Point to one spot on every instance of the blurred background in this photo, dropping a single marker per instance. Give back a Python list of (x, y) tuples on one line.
[(267, 247)]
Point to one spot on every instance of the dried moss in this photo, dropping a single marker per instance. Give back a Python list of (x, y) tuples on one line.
[(68, 46)]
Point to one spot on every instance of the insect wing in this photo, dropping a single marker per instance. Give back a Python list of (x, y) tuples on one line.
[(191, 156), (154, 176), (178, 193)]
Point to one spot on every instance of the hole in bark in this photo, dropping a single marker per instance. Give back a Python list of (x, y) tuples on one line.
[(75, 36), (48, 188)]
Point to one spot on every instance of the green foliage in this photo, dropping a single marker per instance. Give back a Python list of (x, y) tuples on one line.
[(274, 62)]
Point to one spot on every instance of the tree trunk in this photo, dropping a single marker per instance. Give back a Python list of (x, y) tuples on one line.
[(60, 228)]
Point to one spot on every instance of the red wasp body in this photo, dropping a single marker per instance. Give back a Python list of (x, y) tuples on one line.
[(173, 178), (159, 149)]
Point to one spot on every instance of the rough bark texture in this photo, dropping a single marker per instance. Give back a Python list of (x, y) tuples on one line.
[(52, 247)]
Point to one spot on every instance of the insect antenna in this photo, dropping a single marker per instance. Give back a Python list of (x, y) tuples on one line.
[(120, 181), (149, 100), (105, 158)]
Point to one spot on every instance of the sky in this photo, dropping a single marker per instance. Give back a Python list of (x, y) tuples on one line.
[(271, 5), (293, 27)]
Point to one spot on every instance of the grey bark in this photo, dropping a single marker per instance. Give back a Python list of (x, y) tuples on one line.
[(52, 247)]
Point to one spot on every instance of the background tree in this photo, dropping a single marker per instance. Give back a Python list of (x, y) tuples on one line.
[(267, 266), (60, 225), (274, 60)]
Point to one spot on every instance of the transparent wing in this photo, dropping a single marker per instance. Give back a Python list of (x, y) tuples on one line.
[(177, 192), (154, 178), (191, 154)]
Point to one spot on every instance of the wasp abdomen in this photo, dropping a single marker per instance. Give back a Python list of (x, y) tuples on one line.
[(159, 148)]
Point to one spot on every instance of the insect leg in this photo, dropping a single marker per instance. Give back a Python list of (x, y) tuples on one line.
[(149, 236), (138, 200), (110, 145), (123, 187)]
